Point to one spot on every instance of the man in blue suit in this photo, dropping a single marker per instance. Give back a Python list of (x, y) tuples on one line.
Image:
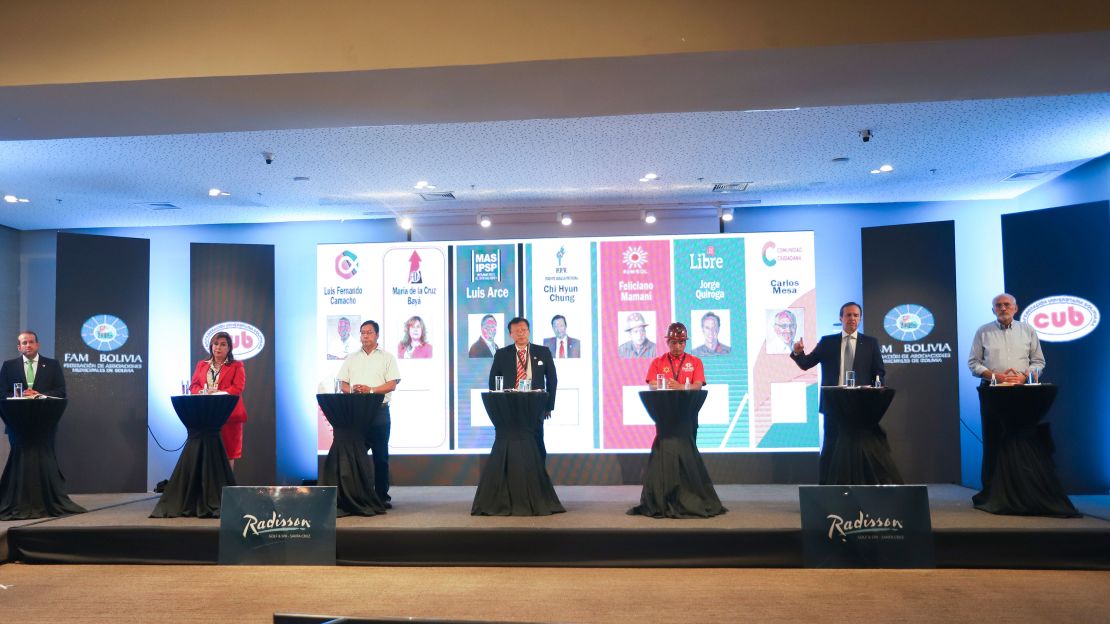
[(524, 360), (865, 360)]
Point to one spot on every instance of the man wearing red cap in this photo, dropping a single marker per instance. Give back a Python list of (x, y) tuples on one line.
[(680, 369)]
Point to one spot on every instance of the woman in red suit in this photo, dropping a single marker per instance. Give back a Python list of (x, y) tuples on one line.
[(221, 373)]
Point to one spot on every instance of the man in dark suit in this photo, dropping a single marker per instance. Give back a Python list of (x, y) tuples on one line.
[(485, 346), (561, 345), (39, 374), (524, 360), (865, 360)]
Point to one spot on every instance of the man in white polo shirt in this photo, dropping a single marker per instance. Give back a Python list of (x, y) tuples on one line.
[(372, 370)]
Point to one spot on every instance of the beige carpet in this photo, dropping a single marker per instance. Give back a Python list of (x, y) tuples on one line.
[(252, 594)]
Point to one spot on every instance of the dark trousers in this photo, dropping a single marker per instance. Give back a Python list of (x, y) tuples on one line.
[(377, 438)]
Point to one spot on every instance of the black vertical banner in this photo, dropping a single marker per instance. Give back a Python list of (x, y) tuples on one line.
[(1056, 267), (232, 290), (909, 301), (101, 327)]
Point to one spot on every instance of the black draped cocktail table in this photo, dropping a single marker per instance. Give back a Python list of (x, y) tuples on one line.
[(1019, 476), (33, 485), (347, 466), (676, 483), (202, 471), (855, 450), (514, 480)]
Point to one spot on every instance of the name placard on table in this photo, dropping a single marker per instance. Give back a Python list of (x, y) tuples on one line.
[(275, 525)]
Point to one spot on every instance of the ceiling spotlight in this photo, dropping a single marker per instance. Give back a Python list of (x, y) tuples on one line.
[(651, 176), (886, 168), (215, 192), (875, 171), (726, 214), (484, 221), (424, 186), (405, 223), (564, 218), (11, 199), (648, 217), (24, 200)]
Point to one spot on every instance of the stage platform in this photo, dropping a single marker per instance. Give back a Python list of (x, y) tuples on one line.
[(432, 526)]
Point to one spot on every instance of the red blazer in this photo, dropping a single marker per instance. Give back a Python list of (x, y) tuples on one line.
[(233, 379)]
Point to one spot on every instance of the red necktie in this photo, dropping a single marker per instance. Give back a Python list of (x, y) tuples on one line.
[(521, 365), (562, 349)]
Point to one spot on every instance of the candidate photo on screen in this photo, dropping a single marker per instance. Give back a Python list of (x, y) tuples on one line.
[(784, 326), (561, 344), (341, 341), (712, 332), (635, 327), (485, 334), (414, 340)]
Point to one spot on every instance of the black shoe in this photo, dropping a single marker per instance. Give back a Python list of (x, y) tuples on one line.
[(388, 505)]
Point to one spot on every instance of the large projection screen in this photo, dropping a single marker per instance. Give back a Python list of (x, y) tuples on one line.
[(616, 297)]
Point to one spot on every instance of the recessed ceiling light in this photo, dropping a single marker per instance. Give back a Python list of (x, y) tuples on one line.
[(11, 199), (565, 219), (648, 217), (651, 176), (405, 223), (214, 192), (423, 184), (886, 168), (484, 221), (24, 200), (875, 171)]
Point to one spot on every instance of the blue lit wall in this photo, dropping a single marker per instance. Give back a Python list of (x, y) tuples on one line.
[(979, 270), (837, 238)]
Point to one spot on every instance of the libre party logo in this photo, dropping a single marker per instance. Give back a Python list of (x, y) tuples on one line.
[(769, 261), (247, 340), (485, 266), (908, 322), (1061, 318), (346, 264), (634, 258), (104, 332)]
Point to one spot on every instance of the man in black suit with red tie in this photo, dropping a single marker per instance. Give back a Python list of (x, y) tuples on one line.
[(863, 357), (39, 374), (524, 360)]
